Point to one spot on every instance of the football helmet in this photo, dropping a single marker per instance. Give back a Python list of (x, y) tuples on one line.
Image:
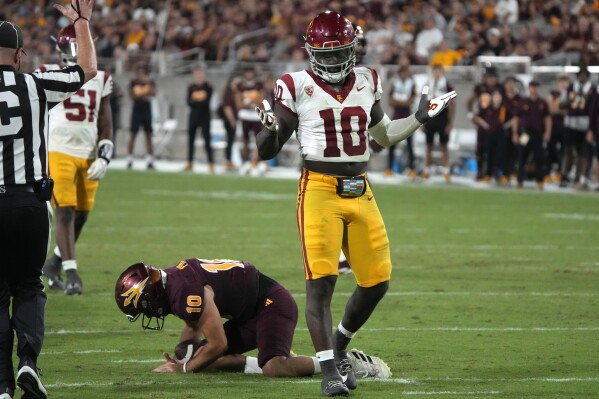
[(140, 290), (331, 45), (66, 44)]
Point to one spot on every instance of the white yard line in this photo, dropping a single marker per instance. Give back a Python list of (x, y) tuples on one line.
[(404, 329), (87, 352)]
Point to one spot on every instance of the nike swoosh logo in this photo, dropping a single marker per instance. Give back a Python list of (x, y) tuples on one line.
[(360, 88), (370, 198)]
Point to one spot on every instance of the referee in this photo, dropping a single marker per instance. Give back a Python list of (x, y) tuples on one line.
[(25, 218)]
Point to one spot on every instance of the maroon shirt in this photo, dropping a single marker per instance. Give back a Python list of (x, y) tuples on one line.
[(532, 115), (512, 105), (235, 285), (495, 117)]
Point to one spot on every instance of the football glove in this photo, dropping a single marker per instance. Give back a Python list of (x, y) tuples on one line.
[(97, 169), (267, 117), (428, 109)]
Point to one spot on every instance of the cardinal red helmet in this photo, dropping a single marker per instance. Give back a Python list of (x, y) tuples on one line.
[(331, 45), (66, 44), (140, 290)]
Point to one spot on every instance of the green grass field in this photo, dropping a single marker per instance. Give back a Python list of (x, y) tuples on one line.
[(494, 294)]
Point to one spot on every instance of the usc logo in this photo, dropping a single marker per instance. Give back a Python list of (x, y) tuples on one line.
[(432, 106)]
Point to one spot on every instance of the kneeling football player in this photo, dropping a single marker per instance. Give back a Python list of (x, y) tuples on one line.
[(260, 314)]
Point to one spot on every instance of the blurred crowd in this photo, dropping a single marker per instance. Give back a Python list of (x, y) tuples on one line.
[(447, 32)]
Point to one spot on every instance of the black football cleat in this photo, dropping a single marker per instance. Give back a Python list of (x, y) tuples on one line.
[(52, 270), (28, 380), (74, 283), (333, 386), (347, 373)]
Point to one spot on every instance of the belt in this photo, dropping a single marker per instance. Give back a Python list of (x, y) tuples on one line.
[(16, 188)]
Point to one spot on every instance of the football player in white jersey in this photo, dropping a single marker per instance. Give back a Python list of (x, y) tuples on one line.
[(80, 148), (334, 107)]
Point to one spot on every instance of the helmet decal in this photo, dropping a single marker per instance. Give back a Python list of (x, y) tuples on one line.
[(134, 293)]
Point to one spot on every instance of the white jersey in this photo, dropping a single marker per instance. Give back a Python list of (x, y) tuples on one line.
[(332, 123), (73, 126)]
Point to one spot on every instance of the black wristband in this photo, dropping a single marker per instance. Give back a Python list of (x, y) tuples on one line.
[(80, 17)]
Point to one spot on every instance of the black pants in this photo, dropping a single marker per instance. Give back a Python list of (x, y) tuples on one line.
[(231, 130), (511, 155), (535, 144), (203, 123), (24, 239), (555, 149), (494, 152)]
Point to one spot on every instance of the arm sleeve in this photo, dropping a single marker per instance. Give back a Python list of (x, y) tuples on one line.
[(60, 84), (388, 132)]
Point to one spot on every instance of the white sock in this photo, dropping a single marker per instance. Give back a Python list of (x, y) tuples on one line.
[(57, 251), (251, 366), (69, 265), (325, 355), (317, 369), (345, 331)]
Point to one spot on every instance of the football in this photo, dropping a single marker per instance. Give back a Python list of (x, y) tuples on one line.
[(185, 350)]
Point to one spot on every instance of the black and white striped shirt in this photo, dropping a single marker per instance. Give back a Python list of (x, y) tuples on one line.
[(25, 100)]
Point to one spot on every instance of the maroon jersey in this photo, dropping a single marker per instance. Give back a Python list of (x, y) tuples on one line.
[(532, 115), (512, 105), (235, 284)]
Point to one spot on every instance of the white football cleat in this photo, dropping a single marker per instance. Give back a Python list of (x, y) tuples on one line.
[(366, 366)]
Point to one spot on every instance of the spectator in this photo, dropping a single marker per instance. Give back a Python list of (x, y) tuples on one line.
[(508, 155), (427, 39), (532, 130), (440, 126), (199, 94), (142, 88), (490, 120), (250, 93), (401, 97), (445, 56), (555, 147), (481, 96), (227, 111), (577, 100)]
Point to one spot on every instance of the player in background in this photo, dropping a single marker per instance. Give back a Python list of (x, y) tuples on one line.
[(250, 93), (260, 314), (440, 126), (508, 152), (402, 95), (80, 148), (490, 120), (334, 107)]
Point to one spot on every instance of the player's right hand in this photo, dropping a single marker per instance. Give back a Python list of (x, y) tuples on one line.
[(97, 169), (428, 109), (79, 9), (267, 117)]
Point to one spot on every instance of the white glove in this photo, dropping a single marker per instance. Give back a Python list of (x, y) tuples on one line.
[(429, 109), (97, 170), (267, 117)]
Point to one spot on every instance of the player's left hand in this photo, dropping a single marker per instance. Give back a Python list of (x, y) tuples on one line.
[(428, 109), (97, 170), (170, 366)]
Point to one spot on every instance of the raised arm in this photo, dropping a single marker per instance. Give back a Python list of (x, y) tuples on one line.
[(387, 132), (279, 125), (80, 13)]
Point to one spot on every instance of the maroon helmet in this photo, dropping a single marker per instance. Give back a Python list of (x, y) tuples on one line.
[(331, 45), (66, 44), (140, 290)]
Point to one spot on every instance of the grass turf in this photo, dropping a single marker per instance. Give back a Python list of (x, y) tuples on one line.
[(494, 293)]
